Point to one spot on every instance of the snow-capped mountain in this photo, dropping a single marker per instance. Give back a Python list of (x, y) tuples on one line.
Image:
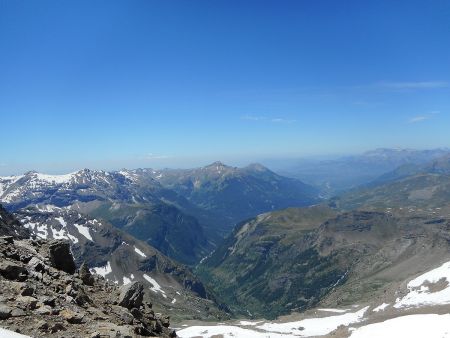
[(183, 213), (84, 185), (136, 203)]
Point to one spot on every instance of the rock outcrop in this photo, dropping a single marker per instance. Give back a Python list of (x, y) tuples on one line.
[(42, 294)]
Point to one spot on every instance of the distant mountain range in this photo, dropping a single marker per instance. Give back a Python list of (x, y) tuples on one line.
[(335, 176), (350, 249), (182, 213)]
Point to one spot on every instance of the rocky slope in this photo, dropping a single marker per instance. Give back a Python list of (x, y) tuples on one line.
[(43, 294), (293, 259), (9, 226), (122, 259)]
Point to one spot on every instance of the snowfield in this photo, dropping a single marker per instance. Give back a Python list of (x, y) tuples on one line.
[(419, 293), (10, 334), (309, 327), (414, 326)]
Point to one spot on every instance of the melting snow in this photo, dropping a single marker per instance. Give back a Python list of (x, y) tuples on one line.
[(10, 334), (84, 230), (155, 286), (413, 326), (225, 331), (102, 270), (333, 310), (420, 293), (62, 221), (380, 307), (139, 252), (247, 323), (303, 328), (315, 326)]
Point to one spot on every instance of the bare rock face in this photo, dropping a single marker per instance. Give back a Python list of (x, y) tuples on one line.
[(60, 256), (131, 295)]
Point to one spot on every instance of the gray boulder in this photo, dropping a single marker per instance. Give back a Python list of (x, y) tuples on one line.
[(85, 275), (13, 271), (131, 295), (5, 312), (60, 256)]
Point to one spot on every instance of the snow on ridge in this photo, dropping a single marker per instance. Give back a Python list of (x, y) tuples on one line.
[(102, 270), (155, 286), (58, 179), (140, 253), (62, 221)]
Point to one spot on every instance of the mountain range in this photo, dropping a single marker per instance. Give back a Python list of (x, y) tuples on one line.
[(336, 175), (183, 213), (259, 245)]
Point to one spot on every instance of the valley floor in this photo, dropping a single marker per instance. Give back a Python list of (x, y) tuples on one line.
[(420, 308)]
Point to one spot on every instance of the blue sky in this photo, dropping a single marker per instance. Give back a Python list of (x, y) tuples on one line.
[(111, 84)]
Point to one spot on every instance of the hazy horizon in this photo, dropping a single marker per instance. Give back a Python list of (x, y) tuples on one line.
[(274, 162)]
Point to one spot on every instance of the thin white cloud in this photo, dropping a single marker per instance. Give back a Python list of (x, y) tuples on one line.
[(281, 120), (253, 118), (151, 156), (414, 85), (424, 117), (267, 119)]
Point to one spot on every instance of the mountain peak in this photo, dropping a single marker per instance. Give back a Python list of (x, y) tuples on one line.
[(217, 166)]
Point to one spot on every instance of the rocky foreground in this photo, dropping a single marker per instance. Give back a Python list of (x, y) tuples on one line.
[(43, 294)]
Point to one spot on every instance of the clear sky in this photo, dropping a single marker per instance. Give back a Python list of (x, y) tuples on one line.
[(110, 84)]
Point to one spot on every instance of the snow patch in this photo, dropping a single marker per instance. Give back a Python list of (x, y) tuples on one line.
[(83, 230), (139, 252), (10, 334), (102, 270), (413, 326), (380, 307), (155, 286), (315, 326), (333, 310), (58, 179), (419, 292)]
